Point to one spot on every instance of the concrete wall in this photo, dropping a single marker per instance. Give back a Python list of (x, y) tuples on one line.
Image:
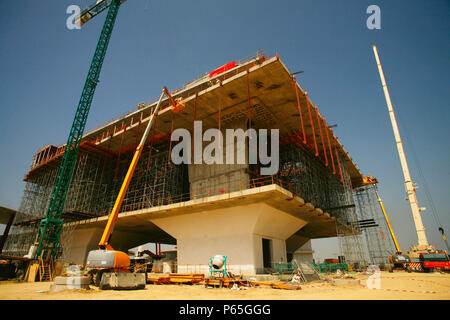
[(221, 177)]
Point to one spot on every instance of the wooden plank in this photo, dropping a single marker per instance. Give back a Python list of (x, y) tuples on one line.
[(286, 286)]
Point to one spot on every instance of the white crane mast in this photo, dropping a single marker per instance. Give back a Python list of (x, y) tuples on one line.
[(410, 189)]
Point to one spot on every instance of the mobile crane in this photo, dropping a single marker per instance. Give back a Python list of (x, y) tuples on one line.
[(423, 245), (110, 268), (423, 256)]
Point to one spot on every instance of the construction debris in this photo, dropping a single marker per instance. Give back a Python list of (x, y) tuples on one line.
[(176, 278), (286, 286), (225, 282)]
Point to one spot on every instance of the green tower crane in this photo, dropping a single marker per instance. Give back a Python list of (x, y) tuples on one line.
[(50, 228)]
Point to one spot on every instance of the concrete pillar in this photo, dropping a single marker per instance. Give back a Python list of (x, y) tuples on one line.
[(235, 231), (304, 253), (294, 242)]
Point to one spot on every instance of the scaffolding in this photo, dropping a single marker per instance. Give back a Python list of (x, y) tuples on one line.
[(374, 226), (93, 190), (310, 166), (348, 229)]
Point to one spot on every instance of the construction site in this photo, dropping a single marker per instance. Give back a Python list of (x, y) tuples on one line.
[(229, 224)]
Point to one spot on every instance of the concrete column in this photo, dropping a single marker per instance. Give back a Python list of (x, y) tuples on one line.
[(220, 178), (235, 231)]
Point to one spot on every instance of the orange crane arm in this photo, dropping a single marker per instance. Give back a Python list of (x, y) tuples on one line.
[(104, 241)]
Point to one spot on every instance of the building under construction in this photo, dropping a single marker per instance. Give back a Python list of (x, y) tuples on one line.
[(256, 220)]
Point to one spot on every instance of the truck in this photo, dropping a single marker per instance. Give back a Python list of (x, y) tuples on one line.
[(430, 262)]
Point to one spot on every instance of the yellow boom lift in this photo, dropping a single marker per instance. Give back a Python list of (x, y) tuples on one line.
[(109, 267), (397, 260)]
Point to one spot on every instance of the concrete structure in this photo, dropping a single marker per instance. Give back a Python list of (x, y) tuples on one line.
[(304, 254), (204, 209)]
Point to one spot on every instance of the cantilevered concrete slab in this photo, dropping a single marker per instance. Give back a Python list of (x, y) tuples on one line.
[(274, 106)]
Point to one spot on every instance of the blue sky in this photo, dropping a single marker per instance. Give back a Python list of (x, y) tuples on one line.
[(155, 43)]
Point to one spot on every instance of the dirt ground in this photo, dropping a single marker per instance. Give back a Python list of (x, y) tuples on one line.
[(393, 286)]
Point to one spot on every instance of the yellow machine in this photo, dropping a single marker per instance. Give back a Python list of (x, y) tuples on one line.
[(397, 260), (109, 267)]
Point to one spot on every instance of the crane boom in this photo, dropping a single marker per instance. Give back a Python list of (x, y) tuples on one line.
[(50, 228), (397, 248), (93, 10), (104, 241), (409, 186)]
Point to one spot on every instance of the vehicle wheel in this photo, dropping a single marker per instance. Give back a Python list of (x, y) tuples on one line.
[(390, 268), (408, 269), (98, 277), (91, 274)]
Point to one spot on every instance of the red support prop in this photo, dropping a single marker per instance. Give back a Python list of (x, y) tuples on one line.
[(248, 99), (329, 145), (312, 124), (321, 136), (220, 112), (299, 109), (337, 159), (118, 157)]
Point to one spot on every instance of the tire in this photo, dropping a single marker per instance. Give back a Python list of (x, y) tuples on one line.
[(408, 269), (98, 277), (92, 274), (390, 268)]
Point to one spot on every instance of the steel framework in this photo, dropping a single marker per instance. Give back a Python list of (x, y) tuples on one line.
[(374, 226)]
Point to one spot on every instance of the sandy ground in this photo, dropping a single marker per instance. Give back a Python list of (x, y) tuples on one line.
[(397, 286)]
